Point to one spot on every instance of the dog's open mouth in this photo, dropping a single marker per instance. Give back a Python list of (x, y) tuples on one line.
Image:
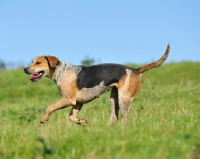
[(36, 76)]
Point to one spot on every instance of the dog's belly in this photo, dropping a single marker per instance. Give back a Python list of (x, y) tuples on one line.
[(87, 94)]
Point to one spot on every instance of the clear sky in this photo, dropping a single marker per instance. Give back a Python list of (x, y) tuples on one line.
[(109, 31)]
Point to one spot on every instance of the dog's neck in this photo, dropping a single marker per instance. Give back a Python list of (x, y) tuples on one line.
[(62, 68)]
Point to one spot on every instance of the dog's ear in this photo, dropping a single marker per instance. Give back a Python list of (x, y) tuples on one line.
[(52, 60)]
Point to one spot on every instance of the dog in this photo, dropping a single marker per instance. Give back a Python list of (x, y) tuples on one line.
[(81, 84)]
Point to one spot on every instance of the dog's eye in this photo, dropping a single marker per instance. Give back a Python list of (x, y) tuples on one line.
[(37, 63)]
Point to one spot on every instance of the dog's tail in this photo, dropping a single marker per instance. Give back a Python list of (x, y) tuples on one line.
[(155, 64)]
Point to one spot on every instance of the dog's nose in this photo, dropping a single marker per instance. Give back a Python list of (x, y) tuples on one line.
[(26, 70)]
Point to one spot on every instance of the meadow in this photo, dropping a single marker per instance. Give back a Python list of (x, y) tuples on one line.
[(163, 119)]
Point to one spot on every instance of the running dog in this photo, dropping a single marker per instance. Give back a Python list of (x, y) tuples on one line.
[(81, 84)]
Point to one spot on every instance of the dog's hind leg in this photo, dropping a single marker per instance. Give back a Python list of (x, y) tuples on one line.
[(124, 105), (114, 106), (129, 87), (74, 115)]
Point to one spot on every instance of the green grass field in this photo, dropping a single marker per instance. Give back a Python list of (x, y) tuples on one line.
[(164, 120)]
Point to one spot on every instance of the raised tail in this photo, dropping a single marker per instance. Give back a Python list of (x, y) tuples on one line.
[(155, 64)]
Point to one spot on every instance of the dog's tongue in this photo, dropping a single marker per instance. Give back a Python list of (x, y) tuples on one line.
[(34, 75)]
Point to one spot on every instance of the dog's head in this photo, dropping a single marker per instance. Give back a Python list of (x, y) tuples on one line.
[(42, 66)]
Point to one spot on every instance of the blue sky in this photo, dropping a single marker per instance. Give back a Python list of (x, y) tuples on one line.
[(109, 31)]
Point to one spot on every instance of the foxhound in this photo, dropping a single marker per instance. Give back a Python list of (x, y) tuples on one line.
[(81, 84)]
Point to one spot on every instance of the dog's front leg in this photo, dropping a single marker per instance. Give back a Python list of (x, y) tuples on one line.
[(74, 115), (64, 102)]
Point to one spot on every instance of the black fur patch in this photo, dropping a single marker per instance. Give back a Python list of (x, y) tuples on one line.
[(91, 76)]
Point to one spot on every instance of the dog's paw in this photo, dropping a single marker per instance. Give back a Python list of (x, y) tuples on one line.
[(112, 121), (43, 120), (82, 122)]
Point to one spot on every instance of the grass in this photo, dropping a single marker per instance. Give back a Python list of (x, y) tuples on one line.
[(163, 120)]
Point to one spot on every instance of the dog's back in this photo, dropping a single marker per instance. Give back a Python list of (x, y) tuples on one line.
[(90, 76)]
